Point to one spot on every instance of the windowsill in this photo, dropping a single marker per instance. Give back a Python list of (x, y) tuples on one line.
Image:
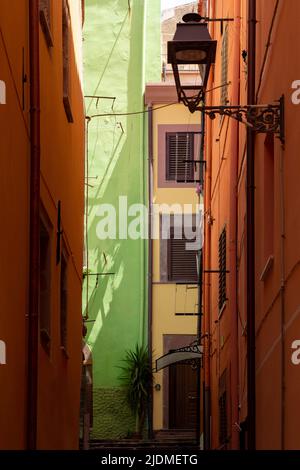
[(64, 352), (267, 268), (46, 29), (68, 110), (177, 283), (174, 185)]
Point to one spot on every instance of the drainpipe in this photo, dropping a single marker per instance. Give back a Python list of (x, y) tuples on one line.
[(200, 297), (250, 216), (150, 263), (200, 300), (207, 292), (282, 300), (233, 236), (207, 266), (33, 313)]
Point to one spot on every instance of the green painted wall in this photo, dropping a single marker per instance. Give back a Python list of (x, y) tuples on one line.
[(121, 54)]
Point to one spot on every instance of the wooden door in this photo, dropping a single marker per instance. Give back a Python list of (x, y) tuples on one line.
[(182, 397)]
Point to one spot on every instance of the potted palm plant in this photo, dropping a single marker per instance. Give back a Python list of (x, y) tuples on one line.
[(137, 379)]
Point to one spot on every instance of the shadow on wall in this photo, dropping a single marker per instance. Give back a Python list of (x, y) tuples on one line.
[(114, 301)]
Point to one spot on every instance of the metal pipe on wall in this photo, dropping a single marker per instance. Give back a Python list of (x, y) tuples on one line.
[(199, 334), (250, 217), (201, 12), (150, 262), (207, 263), (33, 312), (200, 300), (233, 221)]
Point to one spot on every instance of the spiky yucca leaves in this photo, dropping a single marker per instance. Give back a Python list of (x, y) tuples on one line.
[(137, 379)]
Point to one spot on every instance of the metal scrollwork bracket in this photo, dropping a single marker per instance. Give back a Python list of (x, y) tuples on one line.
[(263, 119)]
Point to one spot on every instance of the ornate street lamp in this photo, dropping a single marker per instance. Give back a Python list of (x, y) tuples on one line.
[(192, 45)]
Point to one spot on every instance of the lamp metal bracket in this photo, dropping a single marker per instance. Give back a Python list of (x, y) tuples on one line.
[(260, 118)]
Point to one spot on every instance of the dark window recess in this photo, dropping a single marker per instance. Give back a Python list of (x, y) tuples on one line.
[(223, 419), (45, 19), (63, 302), (222, 269), (45, 287), (179, 153), (224, 68), (66, 37), (182, 263), (268, 189), (223, 438)]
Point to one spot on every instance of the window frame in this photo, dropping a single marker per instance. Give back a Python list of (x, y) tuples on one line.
[(191, 157), (181, 278), (63, 318), (165, 252), (224, 99), (160, 156), (45, 321), (223, 409), (222, 253)]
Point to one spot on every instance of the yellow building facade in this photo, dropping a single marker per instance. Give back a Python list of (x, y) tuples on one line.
[(173, 293)]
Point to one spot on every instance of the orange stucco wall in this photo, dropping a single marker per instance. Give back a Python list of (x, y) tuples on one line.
[(217, 205), (276, 300), (14, 158), (62, 178), (277, 387)]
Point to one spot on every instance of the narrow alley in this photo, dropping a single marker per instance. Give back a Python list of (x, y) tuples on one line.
[(150, 249)]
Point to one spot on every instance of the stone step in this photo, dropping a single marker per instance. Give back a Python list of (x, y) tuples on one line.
[(161, 441), (153, 444)]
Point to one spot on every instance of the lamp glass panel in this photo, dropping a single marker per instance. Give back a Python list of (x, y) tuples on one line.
[(191, 56), (202, 71)]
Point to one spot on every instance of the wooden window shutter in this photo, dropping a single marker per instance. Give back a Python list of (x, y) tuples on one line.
[(45, 285), (179, 151), (223, 408), (45, 7), (222, 269), (45, 19), (182, 263), (66, 38), (63, 301), (224, 68)]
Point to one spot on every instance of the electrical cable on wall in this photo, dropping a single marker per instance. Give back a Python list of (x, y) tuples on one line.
[(145, 111)]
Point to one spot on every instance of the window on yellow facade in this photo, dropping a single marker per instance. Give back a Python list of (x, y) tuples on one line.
[(182, 262), (179, 154), (45, 284), (46, 20), (66, 52)]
